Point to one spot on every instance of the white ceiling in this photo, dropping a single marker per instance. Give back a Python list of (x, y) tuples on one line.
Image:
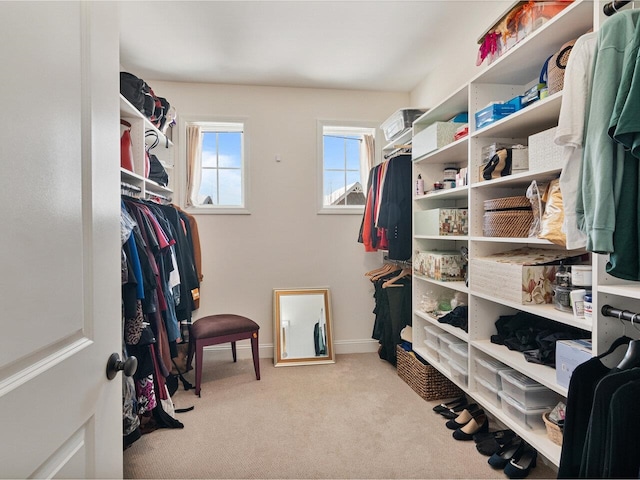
[(357, 44)]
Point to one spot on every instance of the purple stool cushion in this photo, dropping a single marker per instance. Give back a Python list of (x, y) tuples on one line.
[(220, 325)]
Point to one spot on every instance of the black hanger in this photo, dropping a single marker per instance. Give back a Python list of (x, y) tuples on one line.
[(618, 342), (632, 357)]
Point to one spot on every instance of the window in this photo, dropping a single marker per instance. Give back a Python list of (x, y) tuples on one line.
[(347, 154), (215, 165)]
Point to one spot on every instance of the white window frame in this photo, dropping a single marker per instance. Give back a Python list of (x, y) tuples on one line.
[(205, 121), (353, 124)]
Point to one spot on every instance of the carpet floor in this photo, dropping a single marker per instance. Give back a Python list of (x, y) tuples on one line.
[(354, 419)]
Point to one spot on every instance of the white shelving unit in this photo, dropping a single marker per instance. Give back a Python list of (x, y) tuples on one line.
[(140, 125), (510, 75)]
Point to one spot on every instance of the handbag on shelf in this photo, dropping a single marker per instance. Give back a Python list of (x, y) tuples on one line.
[(126, 150), (556, 67), (499, 165)]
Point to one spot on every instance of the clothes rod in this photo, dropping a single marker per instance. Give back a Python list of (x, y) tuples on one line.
[(609, 311), (612, 7)]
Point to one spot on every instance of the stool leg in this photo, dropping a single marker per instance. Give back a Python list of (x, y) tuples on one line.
[(256, 355), (190, 350), (233, 351), (199, 349)]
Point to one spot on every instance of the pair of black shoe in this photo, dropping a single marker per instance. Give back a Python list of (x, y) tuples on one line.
[(471, 421), (490, 442), (516, 457), (453, 408)]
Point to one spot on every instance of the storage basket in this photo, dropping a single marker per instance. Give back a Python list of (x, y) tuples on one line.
[(507, 217), (425, 380), (554, 432)]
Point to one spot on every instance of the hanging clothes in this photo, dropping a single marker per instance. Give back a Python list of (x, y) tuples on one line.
[(607, 202), (386, 223)]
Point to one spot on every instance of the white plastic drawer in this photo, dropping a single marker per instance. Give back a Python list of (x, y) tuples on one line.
[(527, 391)]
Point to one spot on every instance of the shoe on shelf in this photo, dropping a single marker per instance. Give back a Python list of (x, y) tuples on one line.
[(463, 418), (458, 402), (455, 411), (489, 443), (478, 424), (520, 466), (508, 451)]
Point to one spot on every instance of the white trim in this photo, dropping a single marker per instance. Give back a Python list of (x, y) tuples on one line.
[(180, 168), (340, 126), (243, 349)]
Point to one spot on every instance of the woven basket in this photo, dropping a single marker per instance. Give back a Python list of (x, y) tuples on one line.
[(514, 223), (507, 203), (554, 432), (425, 380)]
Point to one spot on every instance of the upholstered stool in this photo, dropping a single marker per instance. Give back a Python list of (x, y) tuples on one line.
[(222, 328)]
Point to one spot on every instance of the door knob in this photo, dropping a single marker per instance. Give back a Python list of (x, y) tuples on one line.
[(114, 365)]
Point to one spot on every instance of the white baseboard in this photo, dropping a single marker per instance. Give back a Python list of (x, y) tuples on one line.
[(266, 350)]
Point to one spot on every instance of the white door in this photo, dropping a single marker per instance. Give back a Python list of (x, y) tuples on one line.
[(59, 240)]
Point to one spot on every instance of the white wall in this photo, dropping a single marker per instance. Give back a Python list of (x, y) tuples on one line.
[(284, 243)]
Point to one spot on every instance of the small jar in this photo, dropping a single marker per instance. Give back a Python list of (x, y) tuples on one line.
[(562, 298), (588, 306), (581, 275), (438, 186)]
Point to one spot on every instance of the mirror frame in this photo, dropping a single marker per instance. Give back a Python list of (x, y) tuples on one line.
[(278, 360)]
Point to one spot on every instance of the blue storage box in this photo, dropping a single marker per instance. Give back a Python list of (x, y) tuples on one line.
[(493, 113), (516, 102)]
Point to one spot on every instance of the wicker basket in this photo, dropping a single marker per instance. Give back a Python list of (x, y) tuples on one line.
[(425, 380), (507, 217), (514, 223), (507, 203), (554, 432)]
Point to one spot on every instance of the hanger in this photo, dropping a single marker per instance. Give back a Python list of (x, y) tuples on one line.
[(618, 342), (391, 282)]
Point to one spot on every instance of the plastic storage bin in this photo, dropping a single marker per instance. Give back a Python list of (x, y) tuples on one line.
[(493, 113), (489, 392), (527, 392), (444, 358), (460, 354), (431, 334), (458, 374), (432, 349), (488, 370), (446, 340), (527, 417)]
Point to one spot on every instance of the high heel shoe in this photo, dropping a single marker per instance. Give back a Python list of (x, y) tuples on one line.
[(520, 466), (465, 417), (478, 424), (506, 453), (458, 402)]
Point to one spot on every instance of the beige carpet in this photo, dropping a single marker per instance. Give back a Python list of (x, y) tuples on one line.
[(353, 419)]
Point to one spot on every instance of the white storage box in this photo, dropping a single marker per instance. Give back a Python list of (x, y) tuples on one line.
[(432, 349), (445, 266), (544, 154), (445, 341), (460, 354), (570, 354), (488, 370), (444, 358), (526, 391), (458, 374), (431, 334), (522, 276), (441, 221), (400, 122), (527, 417), (435, 136), (489, 392)]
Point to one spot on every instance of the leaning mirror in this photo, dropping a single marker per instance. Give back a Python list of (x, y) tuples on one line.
[(302, 327)]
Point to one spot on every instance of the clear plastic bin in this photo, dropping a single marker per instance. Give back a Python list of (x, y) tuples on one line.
[(444, 358), (489, 392), (445, 340), (527, 392), (488, 370), (459, 353), (432, 349), (432, 335), (527, 417), (459, 375)]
